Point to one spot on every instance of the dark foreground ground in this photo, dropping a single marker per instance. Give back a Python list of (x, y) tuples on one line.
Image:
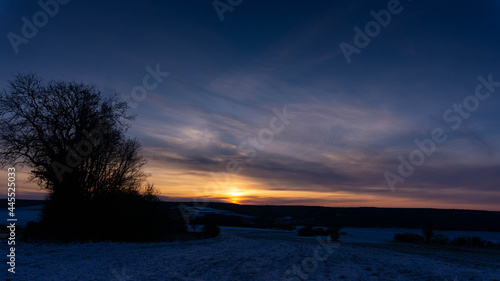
[(253, 254)]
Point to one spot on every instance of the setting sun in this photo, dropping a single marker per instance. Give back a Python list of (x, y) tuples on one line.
[(234, 196)]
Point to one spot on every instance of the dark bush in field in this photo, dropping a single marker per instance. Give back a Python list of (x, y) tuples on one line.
[(428, 234), (476, 242), (489, 245), (440, 239), (492, 245), (211, 230), (334, 232), (116, 217), (408, 238), (31, 230), (320, 232), (306, 231), (459, 241)]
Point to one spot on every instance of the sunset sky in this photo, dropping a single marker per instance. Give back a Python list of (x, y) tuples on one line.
[(264, 106)]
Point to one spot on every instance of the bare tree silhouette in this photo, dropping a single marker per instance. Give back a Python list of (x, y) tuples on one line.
[(74, 141)]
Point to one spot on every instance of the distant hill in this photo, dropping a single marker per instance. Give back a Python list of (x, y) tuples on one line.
[(21, 203), (437, 219)]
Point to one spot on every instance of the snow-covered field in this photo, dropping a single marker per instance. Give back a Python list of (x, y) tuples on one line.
[(23, 214), (380, 235), (252, 254)]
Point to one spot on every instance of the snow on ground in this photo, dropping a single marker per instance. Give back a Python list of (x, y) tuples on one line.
[(250, 254), (202, 211), (23, 214), (380, 235)]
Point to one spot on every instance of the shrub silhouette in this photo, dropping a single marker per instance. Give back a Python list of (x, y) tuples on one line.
[(476, 242), (440, 239), (334, 232), (306, 231), (428, 234), (320, 232), (211, 230)]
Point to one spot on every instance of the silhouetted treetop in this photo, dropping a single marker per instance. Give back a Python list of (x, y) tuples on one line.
[(69, 135)]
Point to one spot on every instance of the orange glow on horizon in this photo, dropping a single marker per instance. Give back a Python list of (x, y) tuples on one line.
[(179, 185)]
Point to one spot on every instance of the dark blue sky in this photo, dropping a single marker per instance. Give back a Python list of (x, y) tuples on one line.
[(205, 126)]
